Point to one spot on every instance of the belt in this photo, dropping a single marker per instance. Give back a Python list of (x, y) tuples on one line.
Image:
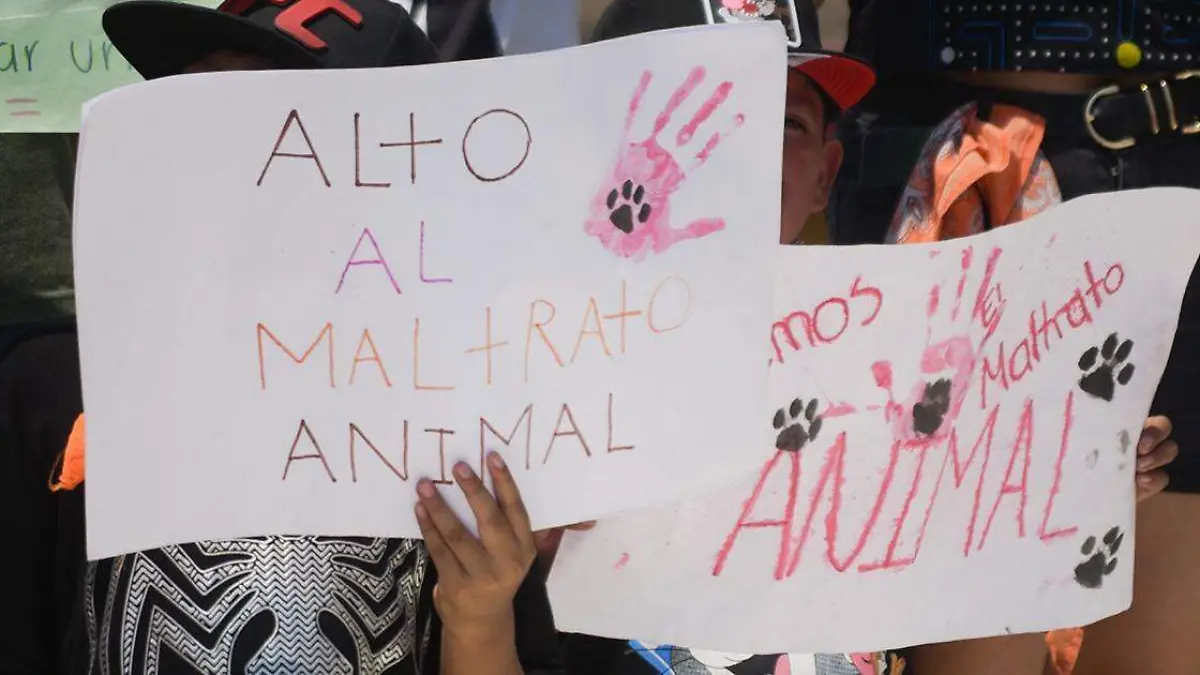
[(1117, 118), (1113, 117)]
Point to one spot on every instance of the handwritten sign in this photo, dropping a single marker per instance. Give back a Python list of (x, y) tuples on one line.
[(954, 454), (300, 292), (53, 57)]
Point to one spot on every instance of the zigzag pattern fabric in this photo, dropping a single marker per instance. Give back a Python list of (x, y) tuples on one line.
[(261, 605)]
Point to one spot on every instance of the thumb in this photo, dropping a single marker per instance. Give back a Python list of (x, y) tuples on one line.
[(547, 541)]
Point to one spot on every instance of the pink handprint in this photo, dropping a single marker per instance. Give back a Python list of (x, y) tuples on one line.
[(947, 366), (631, 213)]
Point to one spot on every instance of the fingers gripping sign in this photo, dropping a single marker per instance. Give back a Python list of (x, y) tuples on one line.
[(631, 213), (548, 541), (1155, 451), (477, 576)]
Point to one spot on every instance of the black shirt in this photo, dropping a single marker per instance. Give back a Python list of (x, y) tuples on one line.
[(304, 605)]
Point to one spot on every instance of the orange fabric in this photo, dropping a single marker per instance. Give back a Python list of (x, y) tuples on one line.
[(1064, 649), (975, 172), (71, 474)]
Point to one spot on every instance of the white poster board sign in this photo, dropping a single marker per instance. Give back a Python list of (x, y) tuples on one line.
[(300, 292), (955, 453)]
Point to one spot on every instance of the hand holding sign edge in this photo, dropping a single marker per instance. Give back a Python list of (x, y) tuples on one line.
[(1155, 451), (477, 577)]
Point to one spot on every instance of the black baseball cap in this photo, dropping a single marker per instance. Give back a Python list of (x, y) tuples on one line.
[(162, 37), (844, 78)]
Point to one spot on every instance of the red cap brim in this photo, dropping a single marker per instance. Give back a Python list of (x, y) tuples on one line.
[(844, 78)]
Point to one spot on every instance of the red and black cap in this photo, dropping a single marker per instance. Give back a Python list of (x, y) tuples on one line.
[(162, 37), (844, 78)]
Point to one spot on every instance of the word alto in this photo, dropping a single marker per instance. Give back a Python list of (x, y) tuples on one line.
[(294, 125)]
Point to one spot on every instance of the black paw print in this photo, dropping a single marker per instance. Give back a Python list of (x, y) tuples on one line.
[(1102, 561), (790, 423), (1101, 380), (630, 198), (930, 411)]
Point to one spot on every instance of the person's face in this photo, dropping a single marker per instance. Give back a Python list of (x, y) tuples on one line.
[(226, 59), (811, 157)]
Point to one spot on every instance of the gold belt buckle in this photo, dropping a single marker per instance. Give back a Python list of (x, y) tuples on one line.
[(1189, 128), (1089, 119), (1192, 127)]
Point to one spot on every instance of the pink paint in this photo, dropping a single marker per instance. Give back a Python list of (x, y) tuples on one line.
[(989, 301), (833, 474), (630, 213), (635, 103), (694, 78), (935, 295), (377, 260), (838, 410), (421, 263), (745, 520), (794, 532), (951, 353), (889, 560), (622, 562), (882, 370), (962, 283), (718, 97), (952, 359), (1021, 447), (715, 140), (818, 331), (1044, 533), (783, 666)]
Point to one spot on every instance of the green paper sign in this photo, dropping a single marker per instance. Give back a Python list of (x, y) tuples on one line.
[(54, 56)]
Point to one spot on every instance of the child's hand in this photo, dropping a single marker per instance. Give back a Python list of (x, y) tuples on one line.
[(1155, 450), (477, 578), (549, 540)]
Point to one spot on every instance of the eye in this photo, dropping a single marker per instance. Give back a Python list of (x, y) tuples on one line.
[(795, 123)]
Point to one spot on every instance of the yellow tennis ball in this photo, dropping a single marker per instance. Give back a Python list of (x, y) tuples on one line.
[(1128, 55)]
